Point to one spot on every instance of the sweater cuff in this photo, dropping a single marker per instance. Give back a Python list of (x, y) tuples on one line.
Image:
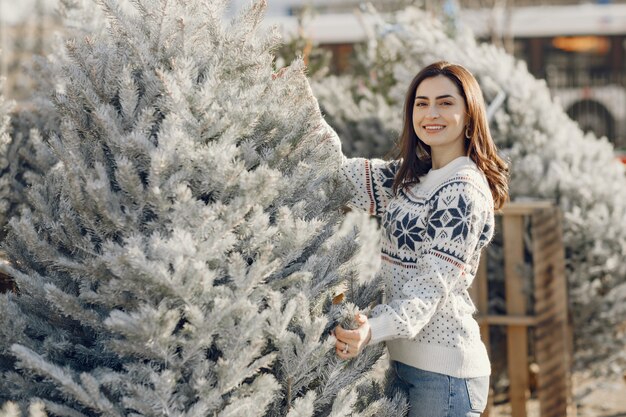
[(382, 329)]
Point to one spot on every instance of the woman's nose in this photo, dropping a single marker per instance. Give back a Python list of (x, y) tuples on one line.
[(432, 112)]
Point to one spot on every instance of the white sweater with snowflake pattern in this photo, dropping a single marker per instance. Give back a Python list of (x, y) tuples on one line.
[(432, 236)]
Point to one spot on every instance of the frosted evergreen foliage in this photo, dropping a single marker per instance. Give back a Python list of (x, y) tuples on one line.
[(26, 160), (181, 257), (550, 159), (355, 112), (35, 409), (5, 142), (367, 125), (300, 45)]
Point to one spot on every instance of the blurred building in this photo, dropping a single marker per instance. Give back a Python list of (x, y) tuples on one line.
[(579, 49), (292, 7)]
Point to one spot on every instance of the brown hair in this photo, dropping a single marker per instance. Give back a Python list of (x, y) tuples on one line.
[(414, 154)]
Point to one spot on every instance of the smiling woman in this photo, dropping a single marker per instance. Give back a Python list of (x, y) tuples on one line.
[(436, 204), (456, 99)]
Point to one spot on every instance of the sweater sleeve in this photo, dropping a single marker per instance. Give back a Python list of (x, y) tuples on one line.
[(460, 223), (371, 180)]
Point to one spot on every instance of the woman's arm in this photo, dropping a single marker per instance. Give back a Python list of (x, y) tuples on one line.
[(371, 180)]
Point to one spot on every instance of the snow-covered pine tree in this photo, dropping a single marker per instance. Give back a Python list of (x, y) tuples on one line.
[(363, 119), (5, 141), (5, 192), (25, 159), (365, 122), (550, 159), (300, 45), (181, 257)]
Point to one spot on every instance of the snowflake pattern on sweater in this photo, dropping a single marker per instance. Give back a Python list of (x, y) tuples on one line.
[(432, 236), (433, 233)]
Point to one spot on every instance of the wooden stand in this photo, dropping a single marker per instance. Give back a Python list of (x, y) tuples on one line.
[(552, 341)]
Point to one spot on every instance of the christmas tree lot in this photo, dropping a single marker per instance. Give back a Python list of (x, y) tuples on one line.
[(183, 256), (550, 158)]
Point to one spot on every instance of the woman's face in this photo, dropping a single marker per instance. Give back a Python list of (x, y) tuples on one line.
[(439, 114)]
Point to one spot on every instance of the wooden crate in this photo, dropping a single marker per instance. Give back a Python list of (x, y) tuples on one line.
[(552, 346)]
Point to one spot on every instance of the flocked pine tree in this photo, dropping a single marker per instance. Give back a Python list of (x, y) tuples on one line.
[(5, 141), (550, 159), (181, 257), (5, 189), (300, 45), (365, 122), (363, 119), (26, 159)]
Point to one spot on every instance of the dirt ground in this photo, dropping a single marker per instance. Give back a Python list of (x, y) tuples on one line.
[(593, 398), (605, 397)]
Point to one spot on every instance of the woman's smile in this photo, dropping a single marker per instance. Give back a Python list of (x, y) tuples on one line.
[(434, 128)]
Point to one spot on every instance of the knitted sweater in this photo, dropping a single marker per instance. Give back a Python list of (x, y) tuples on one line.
[(432, 236)]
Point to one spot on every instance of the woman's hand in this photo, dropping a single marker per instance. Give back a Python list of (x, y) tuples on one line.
[(350, 342)]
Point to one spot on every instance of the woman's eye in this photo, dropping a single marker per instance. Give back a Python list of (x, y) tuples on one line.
[(420, 104), (446, 103)]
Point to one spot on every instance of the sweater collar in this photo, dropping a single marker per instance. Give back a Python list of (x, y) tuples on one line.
[(436, 176)]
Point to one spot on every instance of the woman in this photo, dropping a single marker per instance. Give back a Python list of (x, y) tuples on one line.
[(436, 204)]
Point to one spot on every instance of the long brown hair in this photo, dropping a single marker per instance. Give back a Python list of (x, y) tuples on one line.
[(414, 154)]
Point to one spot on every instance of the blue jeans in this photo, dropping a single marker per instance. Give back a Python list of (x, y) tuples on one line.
[(437, 395)]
